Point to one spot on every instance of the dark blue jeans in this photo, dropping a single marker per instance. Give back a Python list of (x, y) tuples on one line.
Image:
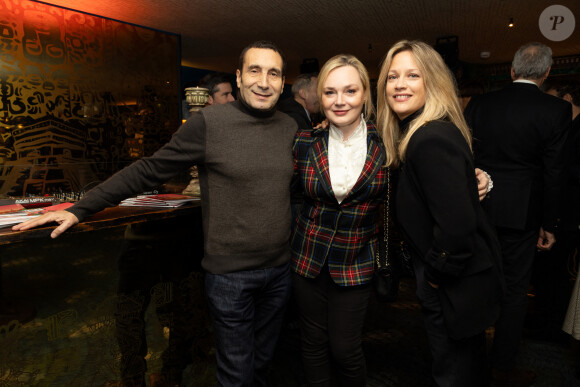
[(247, 309)]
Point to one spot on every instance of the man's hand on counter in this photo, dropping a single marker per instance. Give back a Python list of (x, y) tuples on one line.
[(65, 220)]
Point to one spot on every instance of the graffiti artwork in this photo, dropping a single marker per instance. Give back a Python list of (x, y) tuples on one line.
[(80, 96)]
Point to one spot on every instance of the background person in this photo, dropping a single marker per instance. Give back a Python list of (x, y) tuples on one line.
[(551, 278), (520, 134), (219, 86), (304, 102), (454, 250), (568, 234)]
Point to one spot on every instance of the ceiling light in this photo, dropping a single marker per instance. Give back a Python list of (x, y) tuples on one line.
[(511, 23)]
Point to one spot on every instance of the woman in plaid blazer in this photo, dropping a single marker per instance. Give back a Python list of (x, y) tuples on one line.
[(340, 178)]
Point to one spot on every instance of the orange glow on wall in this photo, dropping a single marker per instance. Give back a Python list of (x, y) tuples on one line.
[(76, 90)]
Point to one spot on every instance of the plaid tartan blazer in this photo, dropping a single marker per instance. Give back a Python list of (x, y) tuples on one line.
[(343, 234)]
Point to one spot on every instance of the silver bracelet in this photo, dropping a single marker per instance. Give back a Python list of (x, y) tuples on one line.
[(490, 184)]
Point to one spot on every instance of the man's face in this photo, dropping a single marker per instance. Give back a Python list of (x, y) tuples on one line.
[(310, 97), (260, 80), (222, 95)]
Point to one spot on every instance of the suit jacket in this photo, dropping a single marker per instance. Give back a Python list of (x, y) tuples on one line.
[(519, 134), (296, 111), (345, 234), (439, 214)]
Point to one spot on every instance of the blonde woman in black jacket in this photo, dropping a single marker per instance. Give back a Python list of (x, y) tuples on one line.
[(455, 251)]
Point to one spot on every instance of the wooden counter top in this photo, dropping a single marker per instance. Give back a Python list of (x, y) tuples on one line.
[(108, 218)]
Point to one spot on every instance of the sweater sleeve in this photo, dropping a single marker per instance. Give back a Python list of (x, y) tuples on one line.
[(437, 157), (186, 148)]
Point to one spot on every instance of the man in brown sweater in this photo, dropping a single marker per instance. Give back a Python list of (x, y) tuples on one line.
[(243, 153)]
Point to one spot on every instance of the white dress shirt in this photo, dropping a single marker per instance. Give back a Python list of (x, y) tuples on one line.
[(346, 158)]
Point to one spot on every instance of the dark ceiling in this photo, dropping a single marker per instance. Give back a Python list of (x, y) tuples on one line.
[(214, 31)]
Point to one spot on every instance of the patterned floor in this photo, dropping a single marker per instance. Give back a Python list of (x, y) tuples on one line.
[(72, 282)]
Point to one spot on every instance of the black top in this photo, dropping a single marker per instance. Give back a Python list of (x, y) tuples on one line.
[(440, 217)]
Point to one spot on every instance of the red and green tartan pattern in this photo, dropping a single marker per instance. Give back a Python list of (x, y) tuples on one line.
[(344, 234)]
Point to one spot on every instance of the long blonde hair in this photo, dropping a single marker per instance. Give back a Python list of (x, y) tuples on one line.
[(342, 60), (441, 100)]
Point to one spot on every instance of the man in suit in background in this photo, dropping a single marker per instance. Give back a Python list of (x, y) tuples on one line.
[(219, 86), (304, 102), (551, 280), (569, 91), (519, 134)]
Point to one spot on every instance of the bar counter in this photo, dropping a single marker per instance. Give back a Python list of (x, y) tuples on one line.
[(108, 218)]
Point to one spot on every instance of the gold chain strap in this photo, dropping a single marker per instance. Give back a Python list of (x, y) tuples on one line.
[(386, 208)]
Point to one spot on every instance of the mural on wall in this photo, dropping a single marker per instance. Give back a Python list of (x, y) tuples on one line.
[(80, 97)]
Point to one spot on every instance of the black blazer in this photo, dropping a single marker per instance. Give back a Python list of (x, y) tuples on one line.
[(519, 134), (439, 213), (296, 111)]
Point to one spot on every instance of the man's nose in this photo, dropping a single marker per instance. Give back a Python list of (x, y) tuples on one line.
[(263, 80)]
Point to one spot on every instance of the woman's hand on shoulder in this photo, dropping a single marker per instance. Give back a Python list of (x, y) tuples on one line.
[(323, 125), (484, 183)]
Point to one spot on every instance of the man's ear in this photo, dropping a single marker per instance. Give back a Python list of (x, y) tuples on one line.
[(302, 93), (513, 73), (210, 100), (547, 72), (567, 97), (238, 78)]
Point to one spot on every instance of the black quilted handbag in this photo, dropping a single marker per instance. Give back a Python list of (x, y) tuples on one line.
[(386, 279), (392, 259)]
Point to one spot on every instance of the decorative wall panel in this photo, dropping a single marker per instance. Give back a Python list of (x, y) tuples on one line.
[(80, 96)]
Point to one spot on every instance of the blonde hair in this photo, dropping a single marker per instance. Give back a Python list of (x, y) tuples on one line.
[(441, 99), (347, 60)]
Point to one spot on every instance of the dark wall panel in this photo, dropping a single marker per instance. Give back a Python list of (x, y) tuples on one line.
[(80, 96)]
